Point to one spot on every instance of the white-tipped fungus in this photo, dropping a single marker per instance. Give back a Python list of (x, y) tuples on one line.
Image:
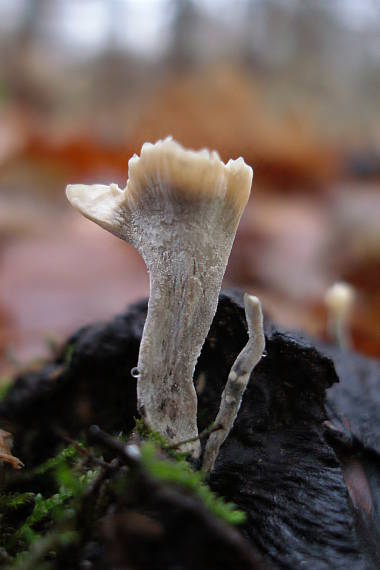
[(180, 210), (339, 299), (237, 381)]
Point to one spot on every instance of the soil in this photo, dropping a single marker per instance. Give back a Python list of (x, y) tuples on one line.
[(302, 460)]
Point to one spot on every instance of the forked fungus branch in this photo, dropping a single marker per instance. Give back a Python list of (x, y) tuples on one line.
[(180, 209)]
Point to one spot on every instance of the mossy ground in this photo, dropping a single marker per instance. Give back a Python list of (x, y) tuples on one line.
[(55, 507)]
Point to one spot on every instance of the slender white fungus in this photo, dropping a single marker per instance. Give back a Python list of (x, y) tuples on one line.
[(339, 299), (237, 381)]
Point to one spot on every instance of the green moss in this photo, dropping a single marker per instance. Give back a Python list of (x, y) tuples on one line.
[(33, 559), (5, 384), (49, 514), (158, 440), (14, 501), (43, 508), (68, 354), (68, 454), (146, 433), (180, 473), (72, 485), (35, 526)]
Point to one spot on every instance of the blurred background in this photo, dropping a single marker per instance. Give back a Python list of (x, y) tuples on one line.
[(293, 86)]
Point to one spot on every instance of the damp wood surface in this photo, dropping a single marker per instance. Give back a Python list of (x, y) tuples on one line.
[(301, 461)]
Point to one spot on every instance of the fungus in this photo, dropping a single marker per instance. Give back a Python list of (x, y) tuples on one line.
[(339, 299), (180, 209), (237, 380)]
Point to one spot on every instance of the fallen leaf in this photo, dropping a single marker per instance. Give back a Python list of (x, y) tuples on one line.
[(5, 450)]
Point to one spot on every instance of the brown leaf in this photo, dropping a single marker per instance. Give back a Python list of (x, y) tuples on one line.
[(5, 450)]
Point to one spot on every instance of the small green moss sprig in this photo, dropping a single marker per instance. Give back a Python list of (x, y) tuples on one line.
[(33, 559), (180, 473), (158, 440), (5, 384), (56, 507), (14, 501), (51, 516), (43, 508), (68, 354), (66, 455)]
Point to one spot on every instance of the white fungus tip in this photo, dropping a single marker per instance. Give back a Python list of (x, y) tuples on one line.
[(253, 312), (251, 301), (167, 167), (339, 298)]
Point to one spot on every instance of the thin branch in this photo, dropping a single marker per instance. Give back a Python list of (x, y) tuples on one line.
[(206, 432), (85, 452)]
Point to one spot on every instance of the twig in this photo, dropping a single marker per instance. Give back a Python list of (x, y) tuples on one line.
[(129, 453), (85, 452), (201, 436)]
